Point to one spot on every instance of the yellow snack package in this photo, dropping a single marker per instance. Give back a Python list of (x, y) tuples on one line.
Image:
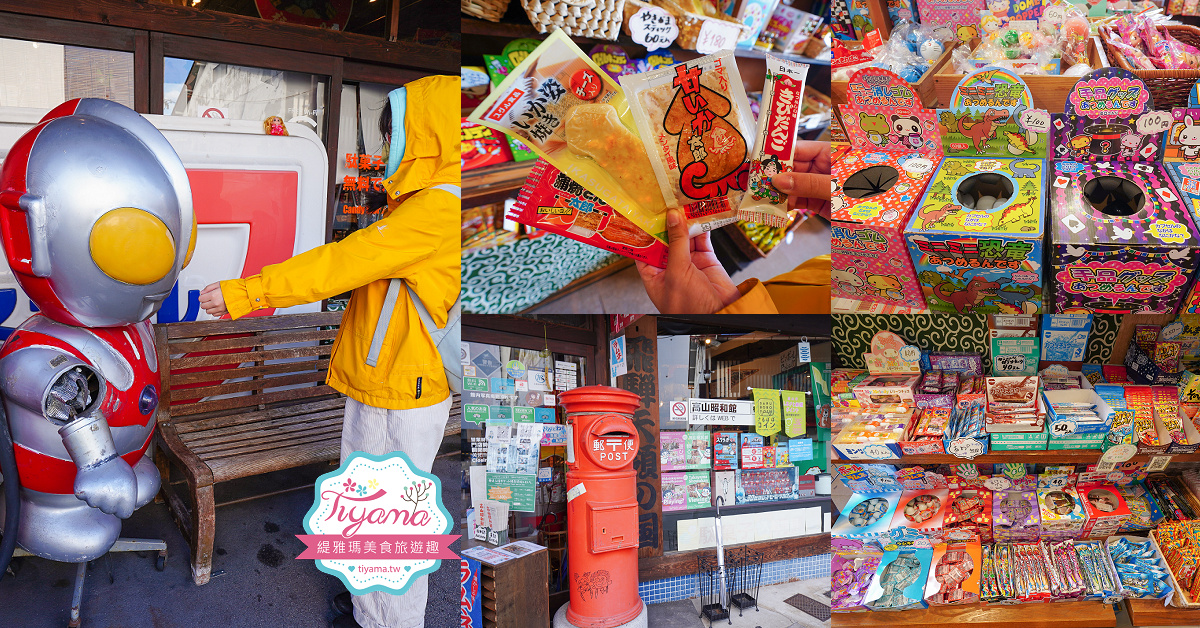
[(571, 113), (695, 122)]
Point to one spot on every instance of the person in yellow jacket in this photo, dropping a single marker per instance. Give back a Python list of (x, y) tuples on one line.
[(694, 282), (401, 403)]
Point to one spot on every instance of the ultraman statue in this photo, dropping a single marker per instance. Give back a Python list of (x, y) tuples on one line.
[(96, 219)]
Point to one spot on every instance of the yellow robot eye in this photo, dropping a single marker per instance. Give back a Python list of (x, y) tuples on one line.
[(132, 246), (187, 259)]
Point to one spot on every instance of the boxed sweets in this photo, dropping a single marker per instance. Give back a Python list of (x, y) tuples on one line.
[(1106, 510), (900, 580), (954, 575), (961, 362), (851, 571), (1142, 571), (1014, 344), (1079, 411), (1016, 516), (970, 508), (1065, 336), (922, 510), (936, 389), (1063, 516), (926, 436), (866, 514), (1143, 510), (881, 389), (1013, 404), (873, 436), (869, 478)]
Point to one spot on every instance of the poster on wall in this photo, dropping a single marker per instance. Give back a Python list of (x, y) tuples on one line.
[(674, 491), (698, 449), (699, 489), (515, 489)]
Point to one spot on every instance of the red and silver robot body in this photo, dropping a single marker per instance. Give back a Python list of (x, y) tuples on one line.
[(96, 220)]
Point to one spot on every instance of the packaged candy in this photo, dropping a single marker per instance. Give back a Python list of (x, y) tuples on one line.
[(564, 108), (552, 201), (1141, 570), (694, 120), (782, 96), (851, 571)]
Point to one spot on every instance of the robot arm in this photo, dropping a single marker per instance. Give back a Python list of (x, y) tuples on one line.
[(68, 392)]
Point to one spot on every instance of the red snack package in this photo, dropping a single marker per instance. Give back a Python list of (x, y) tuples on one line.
[(552, 201)]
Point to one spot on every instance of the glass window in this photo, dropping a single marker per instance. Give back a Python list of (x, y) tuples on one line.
[(222, 90), (42, 75), (361, 157)]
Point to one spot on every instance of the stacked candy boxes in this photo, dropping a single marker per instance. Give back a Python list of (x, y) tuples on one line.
[(976, 236), (894, 148)]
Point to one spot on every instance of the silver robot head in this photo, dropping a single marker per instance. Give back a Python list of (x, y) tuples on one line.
[(96, 214)]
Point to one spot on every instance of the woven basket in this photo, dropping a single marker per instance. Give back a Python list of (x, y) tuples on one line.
[(1170, 88), (490, 10), (598, 19)]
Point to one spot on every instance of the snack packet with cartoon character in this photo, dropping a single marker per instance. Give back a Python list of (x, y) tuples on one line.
[(783, 93), (561, 105), (695, 121)]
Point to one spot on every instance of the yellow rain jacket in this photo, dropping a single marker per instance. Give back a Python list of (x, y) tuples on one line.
[(417, 240)]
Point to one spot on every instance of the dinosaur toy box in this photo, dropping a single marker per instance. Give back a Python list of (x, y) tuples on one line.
[(1122, 240), (894, 148), (976, 235)]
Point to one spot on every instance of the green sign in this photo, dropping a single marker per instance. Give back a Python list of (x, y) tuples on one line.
[(501, 414), (766, 411), (522, 414), (476, 384), (515, 489), (474, 413), (794, 413)]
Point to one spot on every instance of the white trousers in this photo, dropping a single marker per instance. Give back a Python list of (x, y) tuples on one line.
[(377, 431)]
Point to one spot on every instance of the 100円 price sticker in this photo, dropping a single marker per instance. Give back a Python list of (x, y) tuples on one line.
[(377, 523)]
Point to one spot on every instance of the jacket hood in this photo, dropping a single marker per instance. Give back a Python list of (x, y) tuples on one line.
[(430, 136)]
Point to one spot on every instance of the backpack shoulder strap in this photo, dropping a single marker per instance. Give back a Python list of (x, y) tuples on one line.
[(385, 318)]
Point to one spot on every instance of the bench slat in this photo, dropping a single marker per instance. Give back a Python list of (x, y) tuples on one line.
[(252, 400), (199, 329), (291, 440), (198, 423), (268, 439), (239, 434), (224, 469), (201, 377), (250, 426), (223, 343), (225, 388), (230, 359)]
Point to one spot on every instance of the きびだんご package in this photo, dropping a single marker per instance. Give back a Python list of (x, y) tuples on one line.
[(552, 201), (562, 106), (876, 185), (695, 121), (782, 96)]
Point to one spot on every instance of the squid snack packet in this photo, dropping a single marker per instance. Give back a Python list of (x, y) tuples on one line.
[(782, 95), (695, 121), (561, 105), (552, 201)]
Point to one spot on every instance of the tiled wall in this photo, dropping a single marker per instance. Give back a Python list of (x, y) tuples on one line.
[(685, 587)]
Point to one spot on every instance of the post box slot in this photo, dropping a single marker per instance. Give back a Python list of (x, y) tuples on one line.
[(612, 525)]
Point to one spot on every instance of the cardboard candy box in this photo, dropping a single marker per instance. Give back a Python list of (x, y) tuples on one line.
[(894, 148), (922, 510), (1062, 511), (1144, 514), (954, 573), (976, 236), (1016, 516), (1105, 508), (900, 580), (851, 571), (1122, 239), (866, 515)]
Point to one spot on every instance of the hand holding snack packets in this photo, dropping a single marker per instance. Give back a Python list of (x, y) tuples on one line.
[(692, 147)]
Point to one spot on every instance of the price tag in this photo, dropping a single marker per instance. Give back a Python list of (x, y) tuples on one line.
[(910, 353), (967, 448), (1158, 463), (1119, 453), (1062, 427), (1116, 477), (997, 483), (653, 28), (716, 35), (878, 452), (1057, 481)]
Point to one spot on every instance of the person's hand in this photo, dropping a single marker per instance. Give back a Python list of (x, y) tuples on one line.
[(693, 281), (213, 301), (807, 186)]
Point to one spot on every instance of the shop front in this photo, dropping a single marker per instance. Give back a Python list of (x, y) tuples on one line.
[(729, 418)]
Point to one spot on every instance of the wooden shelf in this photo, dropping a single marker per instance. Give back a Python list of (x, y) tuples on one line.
[(1153, 613), (1070, 456), (473, 26), (1083, 614), (492, 184)]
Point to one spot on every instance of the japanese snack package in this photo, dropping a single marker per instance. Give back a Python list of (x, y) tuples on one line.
[(695, 122), (782, 96), (552, 201), (567, 110)]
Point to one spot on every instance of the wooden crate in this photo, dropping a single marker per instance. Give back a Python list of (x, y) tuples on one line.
[(923, 87), (1049, 92)]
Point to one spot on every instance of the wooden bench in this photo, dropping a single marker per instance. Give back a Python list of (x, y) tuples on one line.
[(224, 414)]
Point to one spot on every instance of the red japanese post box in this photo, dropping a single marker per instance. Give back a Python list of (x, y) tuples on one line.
[(602, 508)]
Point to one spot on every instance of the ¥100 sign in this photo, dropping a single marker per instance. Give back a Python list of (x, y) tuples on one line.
[(378, 523)]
